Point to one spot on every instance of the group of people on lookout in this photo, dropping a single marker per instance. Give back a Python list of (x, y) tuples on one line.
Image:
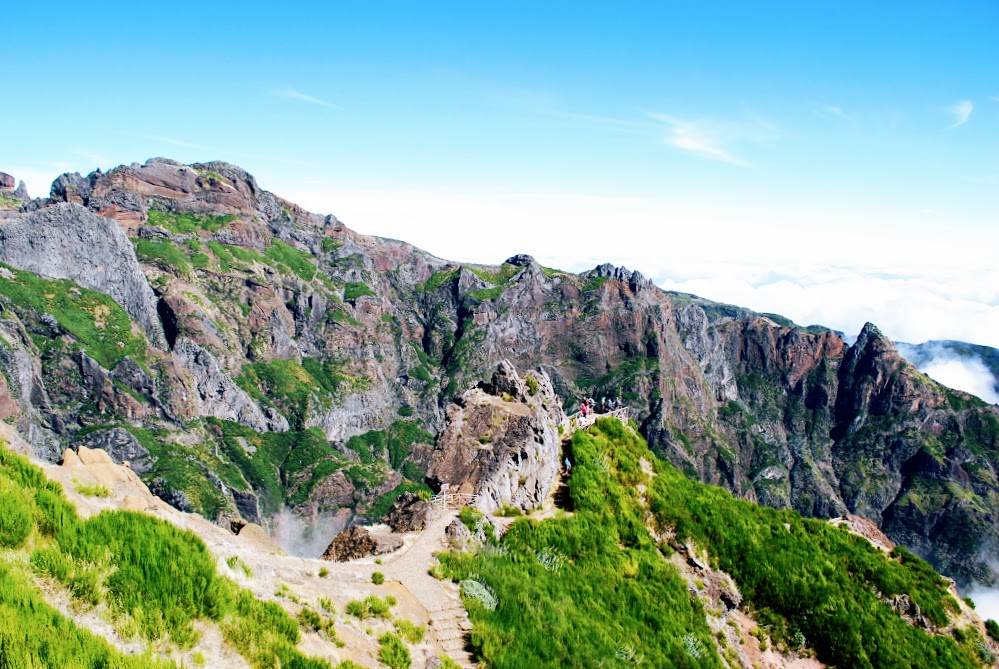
[(606, 405)]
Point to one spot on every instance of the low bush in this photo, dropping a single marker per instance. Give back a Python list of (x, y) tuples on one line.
[(393, 652)]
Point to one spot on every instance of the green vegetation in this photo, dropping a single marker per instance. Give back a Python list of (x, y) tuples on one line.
[(355, 289), (164, 254), (547, 590), (185, 223), (101, 327), (440, 278), (595, 282), (409, 630), (154, 579), (992, 627), (572, 590), (330, 244), (10, 202), (498, 280), (532, 384), (397, 441), (229, 257), (296, 389), (393, 652), (285, 467), (371, 606), (91, 490), (286, 256), (377, 578), (825, 582), (323, 572)]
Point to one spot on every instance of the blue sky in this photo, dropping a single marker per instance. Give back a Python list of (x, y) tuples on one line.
[(836, 162)]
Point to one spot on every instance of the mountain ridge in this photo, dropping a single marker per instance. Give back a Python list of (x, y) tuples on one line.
[(299, 321)]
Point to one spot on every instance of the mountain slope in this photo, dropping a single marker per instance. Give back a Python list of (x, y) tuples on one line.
[(292, 341)]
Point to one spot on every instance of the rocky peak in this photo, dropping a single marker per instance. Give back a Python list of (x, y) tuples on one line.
[(10, 187), (522, 260), (635, 280), (500, 441)]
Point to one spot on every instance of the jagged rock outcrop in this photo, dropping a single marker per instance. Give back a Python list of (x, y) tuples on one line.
[(409, 514), (66, 241), (501, 441), (218, 395)]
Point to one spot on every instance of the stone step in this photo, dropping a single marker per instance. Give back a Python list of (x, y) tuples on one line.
[(449, 634), (453, 645)]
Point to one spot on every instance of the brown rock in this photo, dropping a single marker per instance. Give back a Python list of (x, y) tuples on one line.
[(409, 514), (355, 542)]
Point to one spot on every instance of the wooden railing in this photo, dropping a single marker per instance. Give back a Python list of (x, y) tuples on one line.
[(452, 500)]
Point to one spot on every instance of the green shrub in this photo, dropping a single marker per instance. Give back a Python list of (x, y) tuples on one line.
[(992, 627), (409, 630), (310, 620), (323, 572), (377, 578), (532, 385), (393, 652), (405, 411)]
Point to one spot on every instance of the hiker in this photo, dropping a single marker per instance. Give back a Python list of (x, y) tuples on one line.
[(568, 466)]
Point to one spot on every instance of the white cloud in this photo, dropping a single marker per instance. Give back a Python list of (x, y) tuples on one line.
[(967, 374), (294, 94), (962, 112), (907, 307), (986, 602), (699, 138)]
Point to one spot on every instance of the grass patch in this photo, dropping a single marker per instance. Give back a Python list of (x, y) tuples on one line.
[(548, 589), (101, 327), (185, 223), (155, 579), (355, 289), (287, 256), (164, 254), (91, 490)]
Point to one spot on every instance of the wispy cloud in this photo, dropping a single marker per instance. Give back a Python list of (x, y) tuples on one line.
[(295, 94), (92, 156), (961, 112), (831, 111), (707, 139)]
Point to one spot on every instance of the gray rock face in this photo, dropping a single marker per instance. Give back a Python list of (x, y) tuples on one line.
[(121, 446), (501, 441), (218, 395), (6, 181), (66, 241)]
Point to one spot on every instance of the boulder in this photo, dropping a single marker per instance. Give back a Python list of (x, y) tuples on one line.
[(121, 446), (357, 542), (409, 514)]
